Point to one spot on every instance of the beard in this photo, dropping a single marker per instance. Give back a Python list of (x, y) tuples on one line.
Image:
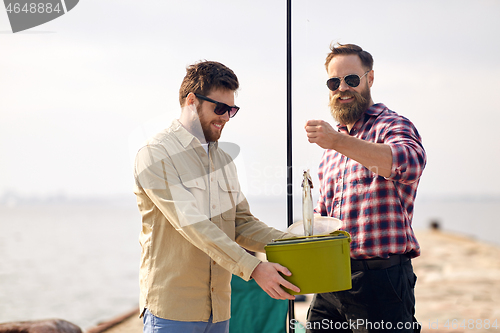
[(210, 134), (348, 114)]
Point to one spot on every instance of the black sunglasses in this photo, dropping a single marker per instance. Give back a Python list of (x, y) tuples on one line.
[(352, 80), (220, 108)]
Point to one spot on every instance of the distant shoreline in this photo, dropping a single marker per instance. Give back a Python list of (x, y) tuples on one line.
[(9, 198)]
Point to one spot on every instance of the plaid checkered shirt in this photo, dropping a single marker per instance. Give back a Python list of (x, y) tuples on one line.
[(375, 210)]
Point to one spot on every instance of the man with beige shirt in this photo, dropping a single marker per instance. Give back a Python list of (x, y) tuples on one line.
[(195, 220)]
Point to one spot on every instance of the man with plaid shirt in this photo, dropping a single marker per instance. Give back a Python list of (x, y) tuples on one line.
[(368, 176)]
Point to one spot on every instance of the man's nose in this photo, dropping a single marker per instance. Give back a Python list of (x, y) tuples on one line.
[(343, 86), (225, 116)]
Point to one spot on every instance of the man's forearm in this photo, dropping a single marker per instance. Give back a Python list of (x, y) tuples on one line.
[(376, 157)]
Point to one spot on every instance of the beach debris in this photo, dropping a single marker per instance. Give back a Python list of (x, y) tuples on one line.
[(435, 224)]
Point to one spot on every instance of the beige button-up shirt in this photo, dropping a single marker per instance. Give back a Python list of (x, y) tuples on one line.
[(193, 218)]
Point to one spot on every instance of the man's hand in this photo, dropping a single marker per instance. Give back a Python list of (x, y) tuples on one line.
[(267, 277), (376, 157), (321, 133)]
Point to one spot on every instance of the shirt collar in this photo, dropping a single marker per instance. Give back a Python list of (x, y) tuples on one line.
[(372, 111), (375, 109), (185, 137)]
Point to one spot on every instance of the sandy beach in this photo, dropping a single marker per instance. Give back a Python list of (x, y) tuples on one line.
[(457, 290)]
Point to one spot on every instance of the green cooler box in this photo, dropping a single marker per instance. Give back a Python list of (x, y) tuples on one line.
[(318, 264)]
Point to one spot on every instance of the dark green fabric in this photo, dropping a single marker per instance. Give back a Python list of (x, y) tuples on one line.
[(254, 311)]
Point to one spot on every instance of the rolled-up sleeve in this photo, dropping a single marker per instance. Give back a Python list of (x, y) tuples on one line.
[(408, 154)]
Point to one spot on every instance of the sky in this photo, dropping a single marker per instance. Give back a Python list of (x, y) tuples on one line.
[(80, 94)]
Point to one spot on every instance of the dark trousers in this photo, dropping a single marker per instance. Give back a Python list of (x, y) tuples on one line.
[(381, 300)]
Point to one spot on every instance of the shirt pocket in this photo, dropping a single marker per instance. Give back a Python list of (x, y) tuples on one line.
[(195, 186), (228, 195), (361, 184)]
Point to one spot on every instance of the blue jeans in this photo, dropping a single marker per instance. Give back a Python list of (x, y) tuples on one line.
[(153, 324)]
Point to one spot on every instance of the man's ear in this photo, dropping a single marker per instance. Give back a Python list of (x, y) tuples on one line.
[(371, 78), (190, 99)]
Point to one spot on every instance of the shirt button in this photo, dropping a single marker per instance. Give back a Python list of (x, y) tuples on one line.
[(212, 289), (241, 274), (213, 206), (214, 262)]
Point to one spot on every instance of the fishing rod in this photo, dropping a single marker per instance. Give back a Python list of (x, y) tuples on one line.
[(291, 304)]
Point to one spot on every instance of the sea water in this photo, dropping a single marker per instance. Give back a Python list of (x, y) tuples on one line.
[(79, 261), (75, 261)]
